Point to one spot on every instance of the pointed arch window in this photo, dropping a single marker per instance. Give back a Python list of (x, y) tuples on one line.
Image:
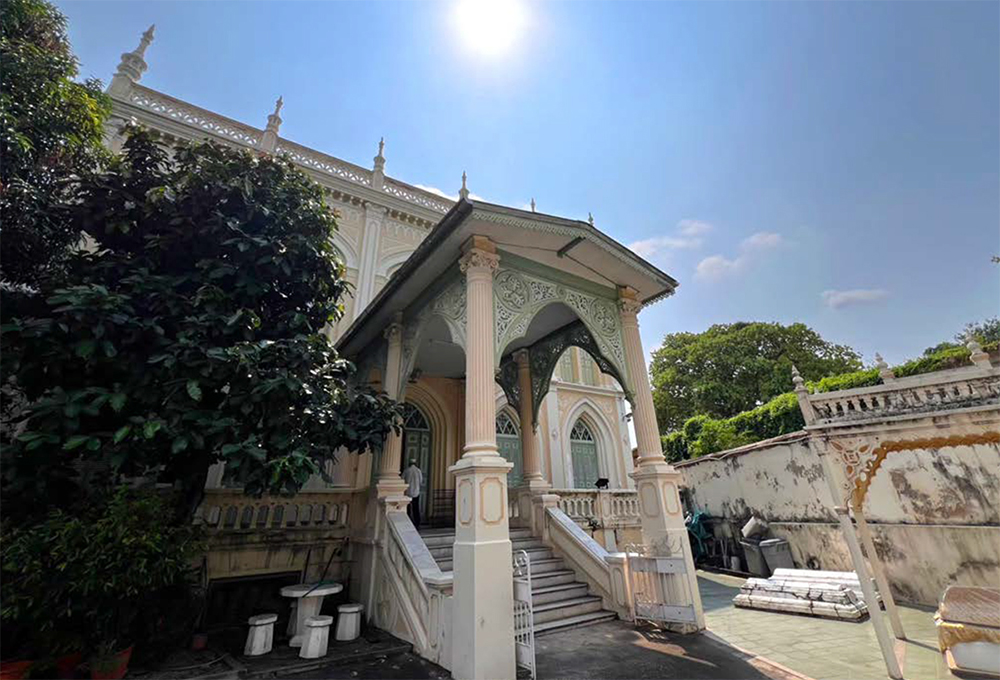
[(583, 451), (509, 446)]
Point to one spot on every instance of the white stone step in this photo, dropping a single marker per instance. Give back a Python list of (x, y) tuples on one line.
[(565, 609), (552, 578), (563, 591), (573, 622), (534, 553)]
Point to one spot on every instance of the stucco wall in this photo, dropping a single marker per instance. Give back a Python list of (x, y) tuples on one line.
[(935, 514)]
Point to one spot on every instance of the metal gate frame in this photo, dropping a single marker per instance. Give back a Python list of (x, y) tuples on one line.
[(524, 624), (651, 581)]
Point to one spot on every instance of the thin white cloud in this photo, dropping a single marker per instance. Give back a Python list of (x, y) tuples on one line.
[(716, 267), (835, 299), (688, 234), (450, 197)]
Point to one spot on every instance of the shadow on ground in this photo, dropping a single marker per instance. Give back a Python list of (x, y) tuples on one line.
[(619, 650)]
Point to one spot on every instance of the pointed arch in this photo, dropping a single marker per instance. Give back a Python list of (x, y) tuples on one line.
[(604, 435), (442, 427)]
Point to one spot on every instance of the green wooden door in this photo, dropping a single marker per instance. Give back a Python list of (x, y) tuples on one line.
[(417, 446), (509, 444), (583, 451)]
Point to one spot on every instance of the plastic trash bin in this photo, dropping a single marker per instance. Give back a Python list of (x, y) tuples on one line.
[(755, 558), (777, 553)]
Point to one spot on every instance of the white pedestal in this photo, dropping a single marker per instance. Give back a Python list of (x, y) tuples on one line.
[(349, 621), (316, 638), (260, 637), (309, 598)]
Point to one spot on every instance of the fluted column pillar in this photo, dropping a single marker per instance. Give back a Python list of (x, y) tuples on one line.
[(390, 483), (656, 481), (482, 609), (533, 477)]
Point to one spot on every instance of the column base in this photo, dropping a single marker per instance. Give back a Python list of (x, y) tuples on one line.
[(483, 605), (390, 487)]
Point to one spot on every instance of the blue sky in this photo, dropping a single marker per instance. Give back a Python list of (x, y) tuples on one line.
[(832, 163)]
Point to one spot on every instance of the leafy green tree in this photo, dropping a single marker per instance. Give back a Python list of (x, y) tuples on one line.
[(50, 132), (731, 368), (192, 333), (985, 332)]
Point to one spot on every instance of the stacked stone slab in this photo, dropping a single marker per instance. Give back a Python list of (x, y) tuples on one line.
[(832, 600), (845, 578)]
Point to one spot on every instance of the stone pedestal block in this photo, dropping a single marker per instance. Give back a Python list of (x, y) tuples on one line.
[(260, 637), (317, 637)]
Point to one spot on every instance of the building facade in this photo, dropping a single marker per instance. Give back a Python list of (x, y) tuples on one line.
[(512, 337)]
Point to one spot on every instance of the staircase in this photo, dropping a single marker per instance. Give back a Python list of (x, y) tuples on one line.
[(558, 600)]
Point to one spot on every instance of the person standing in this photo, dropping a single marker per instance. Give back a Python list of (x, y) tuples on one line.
[(414, 478)]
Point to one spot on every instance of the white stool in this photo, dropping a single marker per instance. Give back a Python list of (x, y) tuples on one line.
[(317, 637), (349, 621), (261, 634)]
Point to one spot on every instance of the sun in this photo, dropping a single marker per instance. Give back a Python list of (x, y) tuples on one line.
[(490, 27)]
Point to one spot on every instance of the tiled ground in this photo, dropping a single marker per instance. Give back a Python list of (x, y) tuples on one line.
[(820, 648)]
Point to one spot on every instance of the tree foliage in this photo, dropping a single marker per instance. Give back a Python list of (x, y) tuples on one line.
[(731, 368), (192, 334), (50, 132)]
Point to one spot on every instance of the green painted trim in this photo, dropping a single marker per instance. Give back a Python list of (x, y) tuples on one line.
[(511, 261), (443, 282)]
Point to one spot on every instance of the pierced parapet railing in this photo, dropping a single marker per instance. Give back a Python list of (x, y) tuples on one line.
[(326, 164), (421, 198), (938, 391), (226, 510), (193, 116), (607, 508)]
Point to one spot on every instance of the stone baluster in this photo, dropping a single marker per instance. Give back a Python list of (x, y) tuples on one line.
[(482, 609), (663, 529)]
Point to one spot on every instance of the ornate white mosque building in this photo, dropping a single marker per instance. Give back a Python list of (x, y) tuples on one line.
[(512, 337)]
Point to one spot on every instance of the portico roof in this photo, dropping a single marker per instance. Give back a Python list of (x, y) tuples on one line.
[(572, 246)]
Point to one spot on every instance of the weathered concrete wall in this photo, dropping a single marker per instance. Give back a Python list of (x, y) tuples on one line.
[(935, 514)]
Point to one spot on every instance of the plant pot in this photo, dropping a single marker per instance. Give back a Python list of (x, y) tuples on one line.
[(199, 641), (111, 668), (14, 670), (66, 665)]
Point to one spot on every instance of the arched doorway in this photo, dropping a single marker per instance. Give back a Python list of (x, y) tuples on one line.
[(583, 451), (417, 446), (509, 444)]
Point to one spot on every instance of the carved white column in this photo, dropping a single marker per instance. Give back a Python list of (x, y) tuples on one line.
[(389, 481), (663, 530), (371, 241), (533, 478), (482, 609), (854, 548)]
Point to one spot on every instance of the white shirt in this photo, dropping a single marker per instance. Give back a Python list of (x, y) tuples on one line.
[(414, 478)]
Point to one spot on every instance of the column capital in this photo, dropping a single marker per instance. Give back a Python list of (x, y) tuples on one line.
[(628, 301), (522, 357), (394, 331), (479, 253)]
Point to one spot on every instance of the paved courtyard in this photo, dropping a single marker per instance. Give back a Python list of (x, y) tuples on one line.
[(822, 649)]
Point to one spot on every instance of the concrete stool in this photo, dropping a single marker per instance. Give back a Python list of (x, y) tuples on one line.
[(349, 621), (317, 637), (261, 634)]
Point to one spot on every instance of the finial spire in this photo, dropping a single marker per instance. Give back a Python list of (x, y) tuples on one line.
[(464, 191), (797, 380), (883, 369), (590, 218), (977, 355), (378, 174), (132, 66), (269, 140), (147, 38), (532, 204)]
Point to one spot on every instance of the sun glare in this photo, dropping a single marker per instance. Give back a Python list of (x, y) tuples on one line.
[(489, 27)]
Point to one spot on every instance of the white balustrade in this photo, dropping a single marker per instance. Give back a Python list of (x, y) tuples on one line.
[(226, 510), (413, 195), (927, 392), (607, 508)]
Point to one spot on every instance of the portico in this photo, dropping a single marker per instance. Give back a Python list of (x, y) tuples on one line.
[(489, 303)]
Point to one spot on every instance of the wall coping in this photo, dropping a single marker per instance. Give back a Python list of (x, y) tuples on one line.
[(780, 440)]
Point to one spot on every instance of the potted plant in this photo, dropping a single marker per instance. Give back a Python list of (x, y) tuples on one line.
[(86, 576), (109, 662)]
